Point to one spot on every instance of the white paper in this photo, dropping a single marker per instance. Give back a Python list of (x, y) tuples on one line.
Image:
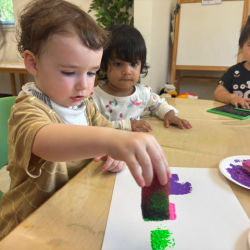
[(210, 217)]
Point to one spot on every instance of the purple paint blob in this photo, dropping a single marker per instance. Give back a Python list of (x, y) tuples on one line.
[(237, 174), (179, 188)]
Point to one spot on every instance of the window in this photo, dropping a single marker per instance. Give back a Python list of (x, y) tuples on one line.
[(6, 12)]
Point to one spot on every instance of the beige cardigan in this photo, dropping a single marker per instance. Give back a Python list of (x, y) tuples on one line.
[(34, 180)]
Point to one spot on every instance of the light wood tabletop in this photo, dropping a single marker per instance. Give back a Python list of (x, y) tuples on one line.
[(75, 217)]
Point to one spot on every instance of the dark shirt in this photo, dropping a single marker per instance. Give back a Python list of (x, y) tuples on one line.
[(237, 80)]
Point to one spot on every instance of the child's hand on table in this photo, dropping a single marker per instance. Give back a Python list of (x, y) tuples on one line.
[(110, 164), (237, 100), (136, 125), (171, 118)]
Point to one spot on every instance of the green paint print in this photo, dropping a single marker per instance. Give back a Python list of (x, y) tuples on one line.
[(157, 208), (162, 239), (155, 202)]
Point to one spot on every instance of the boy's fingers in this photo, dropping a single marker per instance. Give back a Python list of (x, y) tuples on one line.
[(120, 167), (103, 158), (161, 172), (146, 166), (168, 171), (107, 164), (136, 173), (133, 165), (159, 163), (97, 159), (148, 156), (113, 166)]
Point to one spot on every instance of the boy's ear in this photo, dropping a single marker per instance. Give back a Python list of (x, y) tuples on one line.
[(30, 62)]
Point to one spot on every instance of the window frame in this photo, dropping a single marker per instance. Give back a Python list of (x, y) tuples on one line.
[(8, 24)]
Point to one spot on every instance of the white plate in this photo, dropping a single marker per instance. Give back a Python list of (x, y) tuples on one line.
[(225, 163)]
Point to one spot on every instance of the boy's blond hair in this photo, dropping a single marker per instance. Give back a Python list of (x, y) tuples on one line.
[(40, 19)]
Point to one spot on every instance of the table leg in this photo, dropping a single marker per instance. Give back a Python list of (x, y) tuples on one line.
[(13, 84), (21, 78)]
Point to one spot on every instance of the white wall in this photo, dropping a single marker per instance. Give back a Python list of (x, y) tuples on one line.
[(152, 18)]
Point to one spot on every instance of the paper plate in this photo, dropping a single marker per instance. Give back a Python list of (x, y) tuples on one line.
[(225, 163)]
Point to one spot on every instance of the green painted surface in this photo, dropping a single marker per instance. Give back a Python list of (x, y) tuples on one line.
[(158, 207), (162, 239)]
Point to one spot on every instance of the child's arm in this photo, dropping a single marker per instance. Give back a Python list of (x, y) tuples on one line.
[(63, 142), (159, 107), (221, 94)]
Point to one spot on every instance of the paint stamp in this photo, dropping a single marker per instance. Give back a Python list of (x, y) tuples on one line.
[(155, 201)]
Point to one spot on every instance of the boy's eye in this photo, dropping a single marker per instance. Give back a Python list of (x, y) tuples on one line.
[(91, 73), (68, 73), (117, 64)]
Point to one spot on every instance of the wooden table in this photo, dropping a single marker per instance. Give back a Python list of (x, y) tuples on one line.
[(12, 68), (76, 216)]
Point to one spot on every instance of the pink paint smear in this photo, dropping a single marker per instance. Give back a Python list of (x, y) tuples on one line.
[(172, 214)]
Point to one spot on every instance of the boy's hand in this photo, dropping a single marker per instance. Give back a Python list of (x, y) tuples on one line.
[(137, 125), (237, 100), (171, 118), (111, 165), (142, 153)]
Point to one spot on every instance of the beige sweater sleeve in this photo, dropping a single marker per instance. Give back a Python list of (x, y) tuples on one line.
[(33, 180), (28, 116)]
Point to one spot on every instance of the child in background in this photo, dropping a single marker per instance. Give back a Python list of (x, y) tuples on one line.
[(122, 99), (234, 86), (53, 128)]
